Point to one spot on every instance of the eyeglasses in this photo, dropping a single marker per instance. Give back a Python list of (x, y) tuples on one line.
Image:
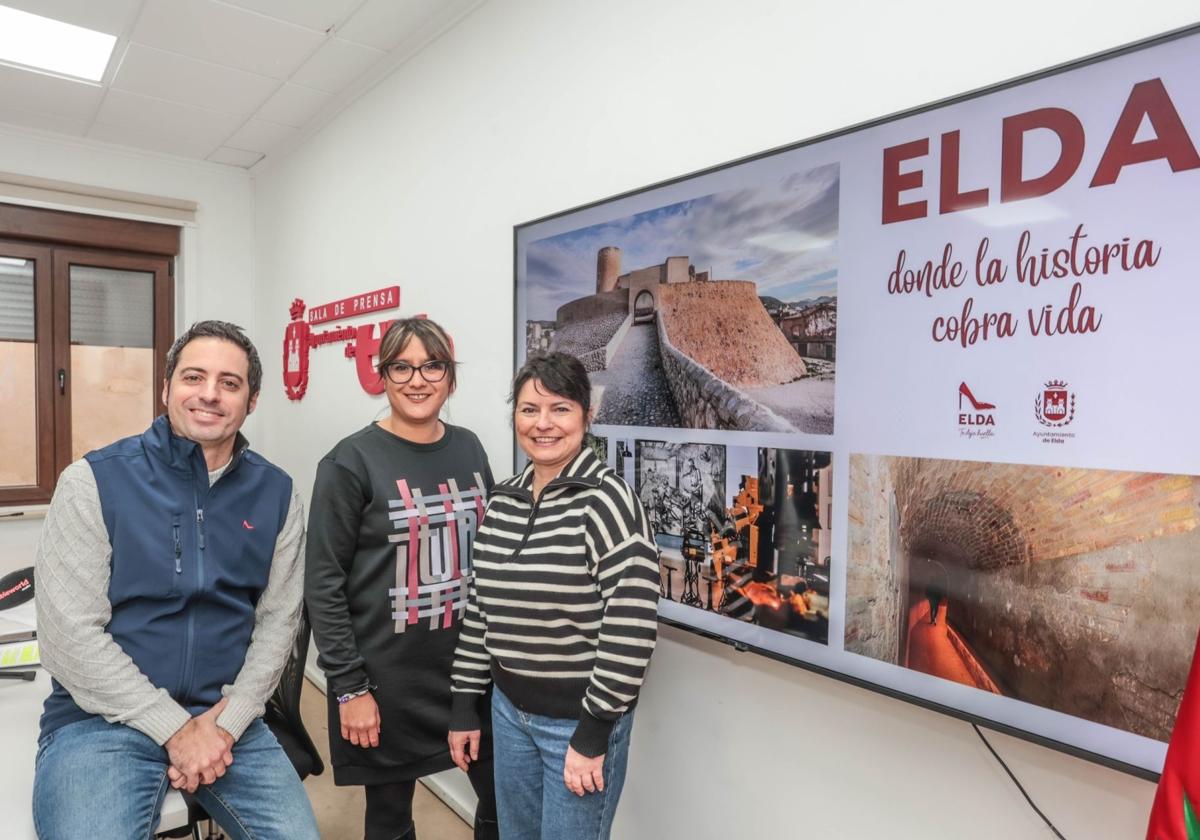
[(401, 373)]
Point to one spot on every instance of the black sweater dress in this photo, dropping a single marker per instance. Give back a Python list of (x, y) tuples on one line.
[(390, 532)]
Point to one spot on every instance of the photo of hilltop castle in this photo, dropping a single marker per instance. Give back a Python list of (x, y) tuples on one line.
[(719, 312)]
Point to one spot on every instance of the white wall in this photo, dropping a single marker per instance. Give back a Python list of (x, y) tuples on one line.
[(215, 274), (534, 106)]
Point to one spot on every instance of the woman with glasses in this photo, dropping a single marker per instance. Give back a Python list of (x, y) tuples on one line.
[(392, 524)]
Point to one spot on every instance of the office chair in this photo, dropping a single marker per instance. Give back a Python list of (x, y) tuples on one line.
[(283, 709), (283, 718)]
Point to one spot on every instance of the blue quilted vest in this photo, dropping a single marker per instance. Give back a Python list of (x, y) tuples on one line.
[(189, 561)]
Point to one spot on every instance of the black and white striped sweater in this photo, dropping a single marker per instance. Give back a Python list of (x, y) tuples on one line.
[(563, 611)]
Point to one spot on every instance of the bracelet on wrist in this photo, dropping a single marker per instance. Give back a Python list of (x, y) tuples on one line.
[(350, 695)]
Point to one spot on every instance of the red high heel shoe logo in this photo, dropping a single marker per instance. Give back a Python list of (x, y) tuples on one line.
[(975, 423), (964, 391)]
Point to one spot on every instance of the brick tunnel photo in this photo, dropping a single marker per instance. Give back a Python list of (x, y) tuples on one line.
[(1073, 589)]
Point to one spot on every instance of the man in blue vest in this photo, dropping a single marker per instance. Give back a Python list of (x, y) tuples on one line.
[(170, 578)]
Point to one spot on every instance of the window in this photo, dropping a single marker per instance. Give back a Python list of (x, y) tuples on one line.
[(86, 318)]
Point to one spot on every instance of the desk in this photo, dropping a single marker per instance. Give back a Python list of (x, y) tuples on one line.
[(20, 709)]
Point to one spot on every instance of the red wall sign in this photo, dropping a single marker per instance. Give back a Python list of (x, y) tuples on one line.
[(362, 342), (356, 305)]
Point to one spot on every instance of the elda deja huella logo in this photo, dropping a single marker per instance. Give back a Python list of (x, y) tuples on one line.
[(977, 418)]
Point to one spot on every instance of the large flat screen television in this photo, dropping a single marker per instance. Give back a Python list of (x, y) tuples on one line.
[(912, 404)]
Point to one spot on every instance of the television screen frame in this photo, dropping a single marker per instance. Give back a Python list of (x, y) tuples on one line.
[(880, 179)]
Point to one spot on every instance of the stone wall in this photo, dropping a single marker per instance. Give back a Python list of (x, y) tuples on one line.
[(873, 575), (614, 343), (588, 338), (677, 270), (999, 513), (593, 360), (705, 401), (724, 327), (1076, 588), (636, 287), (592, 306), (1105, 635), (654, 274)]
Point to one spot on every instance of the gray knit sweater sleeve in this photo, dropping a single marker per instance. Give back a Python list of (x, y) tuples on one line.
[(276, 620), (72, 574)]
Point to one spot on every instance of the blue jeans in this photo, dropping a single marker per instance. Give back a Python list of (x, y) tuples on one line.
[(100, 779), (532, 800)]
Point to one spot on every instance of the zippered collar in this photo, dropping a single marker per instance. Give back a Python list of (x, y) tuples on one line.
[(583, 471), (180, 453)]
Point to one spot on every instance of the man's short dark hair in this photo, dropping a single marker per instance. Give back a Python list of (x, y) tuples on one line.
[(559, 373), (226, 332)]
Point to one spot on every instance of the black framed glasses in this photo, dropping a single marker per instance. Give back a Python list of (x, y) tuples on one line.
[(401, 373)]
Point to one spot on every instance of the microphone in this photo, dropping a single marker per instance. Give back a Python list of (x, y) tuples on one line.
[(16, 588)]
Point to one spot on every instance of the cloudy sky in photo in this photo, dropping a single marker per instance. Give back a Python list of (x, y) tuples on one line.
[(782, 234)]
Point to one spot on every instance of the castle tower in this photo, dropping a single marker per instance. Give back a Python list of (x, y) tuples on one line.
[(608, 268), (678, 270)]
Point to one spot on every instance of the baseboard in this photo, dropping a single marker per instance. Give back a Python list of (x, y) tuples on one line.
[(313, 674), (451, 786)]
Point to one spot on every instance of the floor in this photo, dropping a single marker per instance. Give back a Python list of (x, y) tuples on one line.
[(339, 810), (931, 650)]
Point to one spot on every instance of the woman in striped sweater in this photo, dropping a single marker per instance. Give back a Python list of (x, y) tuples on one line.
[(561, 619)]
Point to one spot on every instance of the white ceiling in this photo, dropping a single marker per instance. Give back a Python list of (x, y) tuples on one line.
[(220, 80)]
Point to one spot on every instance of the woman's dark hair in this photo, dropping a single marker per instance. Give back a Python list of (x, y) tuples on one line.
[(559, 373), (437, 343)]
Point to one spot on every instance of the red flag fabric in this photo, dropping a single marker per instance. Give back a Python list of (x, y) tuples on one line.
[(1176, 811)]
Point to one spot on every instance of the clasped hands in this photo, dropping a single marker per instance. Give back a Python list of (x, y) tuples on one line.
[(200, 751)]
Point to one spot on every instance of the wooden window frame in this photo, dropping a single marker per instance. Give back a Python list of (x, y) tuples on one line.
[(59, 227), (44, 411), (55, 240)]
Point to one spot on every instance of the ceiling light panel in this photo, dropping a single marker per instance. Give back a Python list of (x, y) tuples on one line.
[(41, 43)]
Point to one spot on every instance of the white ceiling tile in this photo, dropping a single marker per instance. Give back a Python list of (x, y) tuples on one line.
[(109, 16), (165, 142), (45, 122), (385, 24), (27, 90), (235, 157), (336, 64), (175, 77), (259, 136), (314, 14), (124, 108), (292, 105), (135, 120), (226, 35)]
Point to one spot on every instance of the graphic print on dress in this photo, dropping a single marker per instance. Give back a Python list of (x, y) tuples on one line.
[(433, 552)]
